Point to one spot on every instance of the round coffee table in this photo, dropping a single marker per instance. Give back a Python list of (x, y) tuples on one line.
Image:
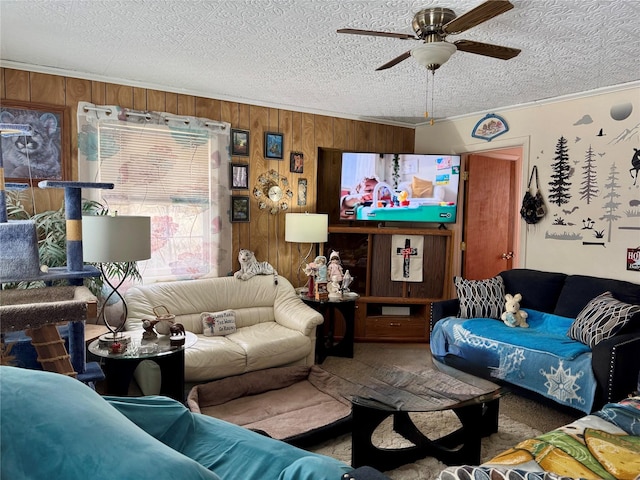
[(119, 367)]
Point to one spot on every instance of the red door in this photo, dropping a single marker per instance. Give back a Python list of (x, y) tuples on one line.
[(490, 213)]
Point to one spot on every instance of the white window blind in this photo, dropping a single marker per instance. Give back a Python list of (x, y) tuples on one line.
[(154, 163), (164, 173)]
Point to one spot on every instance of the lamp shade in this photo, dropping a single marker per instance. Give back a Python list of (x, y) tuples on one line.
[(433, 55), (119, 238), (306, 227)]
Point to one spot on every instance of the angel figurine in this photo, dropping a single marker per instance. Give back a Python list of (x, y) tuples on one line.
[(347, 279)]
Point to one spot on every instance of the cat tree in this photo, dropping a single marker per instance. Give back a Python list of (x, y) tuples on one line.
[(39, 310)]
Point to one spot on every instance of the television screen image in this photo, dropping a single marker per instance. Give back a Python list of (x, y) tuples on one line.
[(399, 187)]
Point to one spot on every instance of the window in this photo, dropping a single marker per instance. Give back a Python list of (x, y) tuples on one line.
[(172, 169)]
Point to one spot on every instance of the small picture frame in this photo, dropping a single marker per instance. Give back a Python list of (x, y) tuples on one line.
[(302, 192), (239, 208), (239, 143), (296, 162), (239, 173), (50, 155), (273, 145)]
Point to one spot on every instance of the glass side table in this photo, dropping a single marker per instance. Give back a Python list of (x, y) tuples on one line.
[(325, 342), (119, 367)]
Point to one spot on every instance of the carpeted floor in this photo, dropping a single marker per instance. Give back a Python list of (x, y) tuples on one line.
[(520, 417)]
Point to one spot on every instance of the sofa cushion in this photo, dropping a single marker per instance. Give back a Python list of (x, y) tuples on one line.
[(579, 290), (539, 290), (601, 318), (480, 298), (218, 323)]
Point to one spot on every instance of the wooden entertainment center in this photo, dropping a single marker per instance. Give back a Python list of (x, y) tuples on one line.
[(386, 310), (366, 253)]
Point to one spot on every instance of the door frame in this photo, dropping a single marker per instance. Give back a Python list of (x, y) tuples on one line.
[(520, 237)]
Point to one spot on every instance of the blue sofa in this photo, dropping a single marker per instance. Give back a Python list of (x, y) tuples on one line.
[(539, 357), (55, 427)]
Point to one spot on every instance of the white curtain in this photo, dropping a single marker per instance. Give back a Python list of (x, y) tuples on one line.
[(171, 168)]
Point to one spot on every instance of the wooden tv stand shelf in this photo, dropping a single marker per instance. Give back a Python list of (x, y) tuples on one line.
[(393, 311)]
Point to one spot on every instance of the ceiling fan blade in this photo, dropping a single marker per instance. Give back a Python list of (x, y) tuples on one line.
[(401, 36), (395, 61), (495, 51), (483, 12)]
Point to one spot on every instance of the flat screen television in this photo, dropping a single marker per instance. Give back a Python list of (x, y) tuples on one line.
[(387, 187)]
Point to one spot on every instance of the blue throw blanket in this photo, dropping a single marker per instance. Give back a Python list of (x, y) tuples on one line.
[(56, 428), (541, 358)]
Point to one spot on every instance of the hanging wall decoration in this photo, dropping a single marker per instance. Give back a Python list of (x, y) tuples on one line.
[(489, 127), (46, 155), (296, 162), (633, 259), (272, 192), (273, 145), (239, 142), (302, 192), (406, 258)]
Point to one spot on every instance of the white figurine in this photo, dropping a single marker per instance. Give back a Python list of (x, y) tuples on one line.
[(346, 281)]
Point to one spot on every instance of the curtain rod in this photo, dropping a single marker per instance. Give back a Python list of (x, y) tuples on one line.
[(167, 118)]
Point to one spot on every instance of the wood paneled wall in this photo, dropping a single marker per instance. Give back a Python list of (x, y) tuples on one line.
[(304, 132)]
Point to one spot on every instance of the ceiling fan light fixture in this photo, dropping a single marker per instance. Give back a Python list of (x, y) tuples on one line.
[(433, 55)]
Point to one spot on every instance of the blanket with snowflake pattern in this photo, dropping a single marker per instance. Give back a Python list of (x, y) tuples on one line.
[(541, 358)]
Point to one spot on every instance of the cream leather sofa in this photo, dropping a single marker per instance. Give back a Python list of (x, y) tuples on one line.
[(274, 327)]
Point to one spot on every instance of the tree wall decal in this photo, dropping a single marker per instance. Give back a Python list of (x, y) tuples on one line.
[(589, 184), (611, 205), (559, 192)]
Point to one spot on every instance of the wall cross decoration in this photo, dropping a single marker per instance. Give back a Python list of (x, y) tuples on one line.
[(407, 252)]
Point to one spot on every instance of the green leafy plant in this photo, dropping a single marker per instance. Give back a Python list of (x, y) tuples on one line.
[(52, 242)]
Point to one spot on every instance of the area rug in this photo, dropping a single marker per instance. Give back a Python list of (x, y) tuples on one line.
[(509, 433)]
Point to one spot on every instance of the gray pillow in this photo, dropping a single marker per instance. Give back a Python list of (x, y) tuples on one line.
[(601, 318), (480, 298)]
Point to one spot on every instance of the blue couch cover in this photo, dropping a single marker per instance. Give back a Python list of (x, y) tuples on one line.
[(540, 358), (615, 362), (55, 427)]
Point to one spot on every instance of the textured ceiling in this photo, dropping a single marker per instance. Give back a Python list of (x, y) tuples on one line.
[(287, 54)]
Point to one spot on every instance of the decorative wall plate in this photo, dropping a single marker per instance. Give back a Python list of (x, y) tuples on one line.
[(489, 127)]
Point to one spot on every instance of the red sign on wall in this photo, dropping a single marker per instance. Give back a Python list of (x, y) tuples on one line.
[(633, 259)]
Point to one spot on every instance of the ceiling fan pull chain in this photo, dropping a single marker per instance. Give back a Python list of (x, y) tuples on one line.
[(433, 87), (426, 98)]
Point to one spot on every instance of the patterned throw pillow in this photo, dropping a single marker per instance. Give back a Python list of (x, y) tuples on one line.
[(601, 318), (480, 298), (218, 323)]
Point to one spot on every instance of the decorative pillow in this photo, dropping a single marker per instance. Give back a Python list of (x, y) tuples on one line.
[(421, 188), (480, 298), (601, 318), (218, 323)]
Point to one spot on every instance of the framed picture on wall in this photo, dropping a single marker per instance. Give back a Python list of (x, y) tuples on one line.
[(302, 192), (239, 208), (273, 145), (239, 176), (296, 162), (41, 155), (239, 143)]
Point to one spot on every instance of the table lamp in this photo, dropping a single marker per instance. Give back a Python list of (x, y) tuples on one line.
[(115, 239), (306, 228)]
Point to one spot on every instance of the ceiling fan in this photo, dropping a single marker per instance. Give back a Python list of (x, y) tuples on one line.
[(432, 25)]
